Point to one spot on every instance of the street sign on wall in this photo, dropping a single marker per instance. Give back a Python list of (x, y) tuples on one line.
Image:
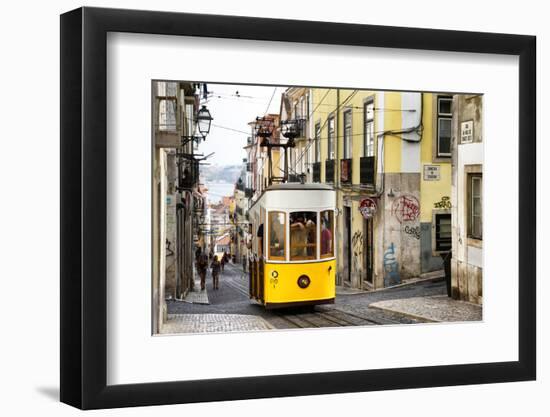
[(467, 131), (432, 172)]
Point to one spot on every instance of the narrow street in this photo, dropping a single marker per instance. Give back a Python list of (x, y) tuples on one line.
[(231, 303)]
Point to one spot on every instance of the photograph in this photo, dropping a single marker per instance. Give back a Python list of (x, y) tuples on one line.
[(300, 207)]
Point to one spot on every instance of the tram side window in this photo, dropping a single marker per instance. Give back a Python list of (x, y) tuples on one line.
[(327, 233), (303, 235), (277, 235)]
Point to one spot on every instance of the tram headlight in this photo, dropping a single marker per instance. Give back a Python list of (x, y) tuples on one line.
[(274, 274), (303, 281)]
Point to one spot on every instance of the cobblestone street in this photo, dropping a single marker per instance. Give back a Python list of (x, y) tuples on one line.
[(230, 309)]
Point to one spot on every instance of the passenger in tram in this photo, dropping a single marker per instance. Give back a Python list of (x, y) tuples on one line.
[(326, 237)]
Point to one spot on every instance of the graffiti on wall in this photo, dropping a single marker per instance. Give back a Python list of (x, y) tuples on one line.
[(413, 231), (357, 244), (391, 267), (445, 203), (406, 208)]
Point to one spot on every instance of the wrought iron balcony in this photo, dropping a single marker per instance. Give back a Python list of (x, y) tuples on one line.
[(316, 172), (188, 175), (367, 171), (345, 171), (329, 170)]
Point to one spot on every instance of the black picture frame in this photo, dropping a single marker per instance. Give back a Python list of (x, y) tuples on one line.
[(84, 207)]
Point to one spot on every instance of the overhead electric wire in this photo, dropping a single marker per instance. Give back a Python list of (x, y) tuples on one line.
[(270, 100), (352, 94)]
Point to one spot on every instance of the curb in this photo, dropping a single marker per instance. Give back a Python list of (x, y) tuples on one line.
[(403, 313), (405, 284)]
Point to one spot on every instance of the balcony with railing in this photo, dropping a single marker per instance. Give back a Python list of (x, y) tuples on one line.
[(329, 170), (316, 172), (345, 171), (367, 170), (189, 175)]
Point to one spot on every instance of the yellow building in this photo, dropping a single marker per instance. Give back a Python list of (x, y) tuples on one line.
[(388, 155), (295, 105)]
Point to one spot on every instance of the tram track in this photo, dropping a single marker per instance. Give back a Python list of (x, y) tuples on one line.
[(332, 317)]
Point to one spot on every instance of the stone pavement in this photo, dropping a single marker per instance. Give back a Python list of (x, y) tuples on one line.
[(341, 290), (196, 296), (439, 308), (213, 323)]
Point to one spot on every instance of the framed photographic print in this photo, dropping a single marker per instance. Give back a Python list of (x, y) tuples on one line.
[(258, 208)]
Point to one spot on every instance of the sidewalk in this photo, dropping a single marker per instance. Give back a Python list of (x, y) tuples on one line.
[(213, 323), (428, 276), (196, 295), (435, 309)]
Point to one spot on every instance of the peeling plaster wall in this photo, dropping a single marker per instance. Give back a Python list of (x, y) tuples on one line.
[(398, 254)]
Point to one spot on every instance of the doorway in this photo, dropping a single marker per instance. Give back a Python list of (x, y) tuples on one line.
[(347, 244), (368, 250)]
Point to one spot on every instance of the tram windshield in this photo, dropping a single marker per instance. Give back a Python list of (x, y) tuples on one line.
[(303, 235)]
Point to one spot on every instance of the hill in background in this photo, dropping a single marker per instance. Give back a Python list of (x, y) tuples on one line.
[(220, 173)]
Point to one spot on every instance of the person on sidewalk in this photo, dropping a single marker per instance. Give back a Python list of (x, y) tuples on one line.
[(224, 260), (215, 266), (202, 266)]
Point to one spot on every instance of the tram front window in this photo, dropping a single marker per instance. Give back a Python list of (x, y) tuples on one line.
[(303, 235), (276, 235), (327, 230)]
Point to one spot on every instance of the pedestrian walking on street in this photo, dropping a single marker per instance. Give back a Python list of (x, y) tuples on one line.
[(224, 260), (202, 266), (198, 252), (215, 266)]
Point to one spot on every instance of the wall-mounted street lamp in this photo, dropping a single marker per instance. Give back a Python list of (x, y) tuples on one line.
[(188, 164), (204, 121)]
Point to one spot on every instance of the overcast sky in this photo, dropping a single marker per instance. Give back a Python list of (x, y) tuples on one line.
[(232, 111)]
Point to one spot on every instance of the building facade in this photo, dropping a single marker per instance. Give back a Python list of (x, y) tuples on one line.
[(175, 180), (388, 156), (467, 196)]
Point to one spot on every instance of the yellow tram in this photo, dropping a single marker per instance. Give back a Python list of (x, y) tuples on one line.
[(293, 245)]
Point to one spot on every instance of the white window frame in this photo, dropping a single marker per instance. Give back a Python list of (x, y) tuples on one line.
[(475, 177), (442, 116), (348, 130), (331, 137), (368, 142), (317, 142)]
